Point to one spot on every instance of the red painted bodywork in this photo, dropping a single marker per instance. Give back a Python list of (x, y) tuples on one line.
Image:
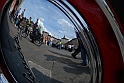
[(3, 66), (116, 17), (111, 57), (2, 2)]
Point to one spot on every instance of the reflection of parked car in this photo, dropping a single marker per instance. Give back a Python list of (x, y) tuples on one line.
[(62, 46)]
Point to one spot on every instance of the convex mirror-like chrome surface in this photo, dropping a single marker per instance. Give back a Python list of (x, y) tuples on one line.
[(40, 40)]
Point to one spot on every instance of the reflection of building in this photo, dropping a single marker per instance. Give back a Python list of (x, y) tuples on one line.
[(55, 41), (15, 3), (20, 1), (12, 6), (45, 33), (72, 42), (64, 40)]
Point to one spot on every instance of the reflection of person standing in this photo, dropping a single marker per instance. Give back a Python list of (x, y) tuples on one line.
[(12, 14), (23, 12), (17, 13), (19, 21), (59, 44), (46, 40), (34, 28), (50, 41), (28, 24), (43, 37)]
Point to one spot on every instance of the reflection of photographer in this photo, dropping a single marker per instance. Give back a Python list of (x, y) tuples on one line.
[(80, 49)]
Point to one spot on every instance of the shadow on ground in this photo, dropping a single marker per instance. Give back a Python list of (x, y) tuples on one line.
[(41, 78)]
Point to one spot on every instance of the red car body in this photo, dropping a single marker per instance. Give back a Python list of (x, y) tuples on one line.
[(111, 56), (112, 61), (2, 2), (3, 66)]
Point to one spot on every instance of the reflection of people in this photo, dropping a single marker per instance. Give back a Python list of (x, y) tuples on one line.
[(37, 33), (12, 14), (23, 12), (34, 28), (59, 44), (17, 13), (19, 21), (80, 49), (46, 39), (43, 37), (40, 29), (28, 22), (50, 41)]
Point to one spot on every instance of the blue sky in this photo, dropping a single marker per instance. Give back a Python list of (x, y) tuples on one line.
[(51, 18)]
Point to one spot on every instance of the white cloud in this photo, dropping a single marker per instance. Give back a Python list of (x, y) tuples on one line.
[(40, 23), (60, 31), (67, 29), (43, 8), (47, 20), (65, 24)]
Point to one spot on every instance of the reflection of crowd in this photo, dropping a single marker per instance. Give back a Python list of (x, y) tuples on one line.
[(32, 29), (46, 40), (50, 41), (59, 44), (17, 16)]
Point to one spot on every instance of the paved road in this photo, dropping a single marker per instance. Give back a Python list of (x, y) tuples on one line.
[(48, 64), (51, 65)]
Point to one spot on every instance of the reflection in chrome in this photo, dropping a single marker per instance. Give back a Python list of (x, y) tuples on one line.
[(3, 79), (86, 37), (4, 30), (3, 11), (28, 75), (115, 26)]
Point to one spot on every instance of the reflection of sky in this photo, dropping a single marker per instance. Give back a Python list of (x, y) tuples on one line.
[(51, 18)]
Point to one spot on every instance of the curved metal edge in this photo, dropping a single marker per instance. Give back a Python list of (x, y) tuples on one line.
[(3, 11), (3, 79), (90, 43), (115, 26)]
